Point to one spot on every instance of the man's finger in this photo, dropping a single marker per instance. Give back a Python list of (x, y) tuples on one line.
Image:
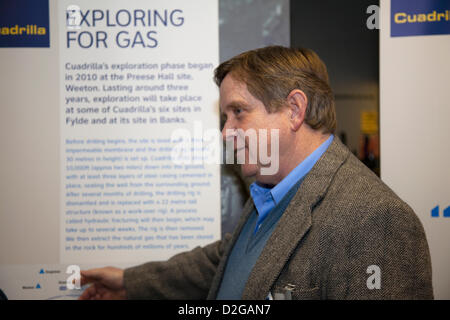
[(88, 293), (84, 280), (89, 276)]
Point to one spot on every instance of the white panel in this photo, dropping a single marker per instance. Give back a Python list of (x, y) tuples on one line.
[(415, 133), (35, 136)]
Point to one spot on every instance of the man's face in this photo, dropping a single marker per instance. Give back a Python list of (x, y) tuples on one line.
[(243, 111)]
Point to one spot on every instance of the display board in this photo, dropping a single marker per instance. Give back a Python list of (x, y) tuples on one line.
[(414, 113), (91, 118)]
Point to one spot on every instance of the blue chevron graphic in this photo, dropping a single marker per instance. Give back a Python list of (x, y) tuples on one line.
[(435, 212), (447, 212)]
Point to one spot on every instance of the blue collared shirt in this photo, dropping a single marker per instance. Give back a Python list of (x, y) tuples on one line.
[(265, 199)]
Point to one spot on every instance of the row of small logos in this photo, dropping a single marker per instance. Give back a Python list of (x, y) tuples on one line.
[(42, 271), (435, 212), (39, 286)]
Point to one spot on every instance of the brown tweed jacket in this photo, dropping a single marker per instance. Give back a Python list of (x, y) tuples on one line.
[(342, 220)]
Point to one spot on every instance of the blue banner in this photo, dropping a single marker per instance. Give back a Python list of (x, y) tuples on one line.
[(24, 23), (420, 17)]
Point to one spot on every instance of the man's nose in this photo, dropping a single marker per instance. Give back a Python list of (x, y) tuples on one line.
[(227, 132)]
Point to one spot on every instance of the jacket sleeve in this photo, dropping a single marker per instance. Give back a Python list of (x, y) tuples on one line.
[(187, 275), (387, 257)]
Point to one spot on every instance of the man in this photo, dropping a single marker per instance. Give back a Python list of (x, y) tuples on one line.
[(322, 226)]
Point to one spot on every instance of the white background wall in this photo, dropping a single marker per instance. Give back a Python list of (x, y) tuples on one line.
[(29, 144), (415, 133)]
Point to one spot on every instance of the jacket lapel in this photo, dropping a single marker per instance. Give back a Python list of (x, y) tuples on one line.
[(294, 223)]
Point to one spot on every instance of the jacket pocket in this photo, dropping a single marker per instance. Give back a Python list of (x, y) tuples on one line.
[(306, 294)]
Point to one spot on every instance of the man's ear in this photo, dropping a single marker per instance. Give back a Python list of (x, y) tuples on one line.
[(297, 103)]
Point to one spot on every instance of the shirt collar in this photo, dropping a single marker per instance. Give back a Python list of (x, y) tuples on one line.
[(266, 199), (299, 172)]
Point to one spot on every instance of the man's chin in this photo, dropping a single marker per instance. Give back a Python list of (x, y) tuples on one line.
[(249, 170), (253, 172)]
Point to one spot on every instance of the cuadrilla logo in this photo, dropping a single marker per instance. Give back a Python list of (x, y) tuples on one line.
[(24, 23), (420, 18)]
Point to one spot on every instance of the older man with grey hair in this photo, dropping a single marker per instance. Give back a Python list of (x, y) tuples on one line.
[(322, 226)]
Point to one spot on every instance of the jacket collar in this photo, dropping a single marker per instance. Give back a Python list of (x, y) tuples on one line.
[(291, 228)]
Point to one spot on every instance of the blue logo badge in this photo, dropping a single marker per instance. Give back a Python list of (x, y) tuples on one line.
[(419, 17), (24, 23)]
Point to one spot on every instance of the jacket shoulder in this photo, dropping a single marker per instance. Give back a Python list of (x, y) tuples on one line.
[(356, 195)]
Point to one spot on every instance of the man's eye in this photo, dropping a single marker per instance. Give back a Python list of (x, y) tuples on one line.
[(237, 111), (224, 117)]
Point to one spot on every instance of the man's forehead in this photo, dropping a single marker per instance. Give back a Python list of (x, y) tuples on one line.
[(233, 93), (232, 84)]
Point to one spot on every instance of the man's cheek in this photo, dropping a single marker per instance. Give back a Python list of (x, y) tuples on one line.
[(269, 153)]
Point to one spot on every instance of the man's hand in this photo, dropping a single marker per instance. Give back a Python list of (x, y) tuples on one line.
[(107, 284)]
